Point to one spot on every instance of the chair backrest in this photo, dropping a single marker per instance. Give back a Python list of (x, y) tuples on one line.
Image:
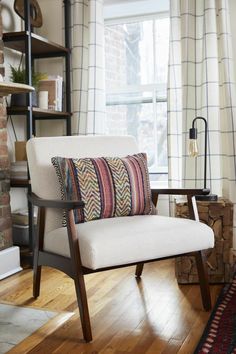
[(44, 181)]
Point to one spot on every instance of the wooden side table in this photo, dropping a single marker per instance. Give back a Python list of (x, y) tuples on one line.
[(219, 216)]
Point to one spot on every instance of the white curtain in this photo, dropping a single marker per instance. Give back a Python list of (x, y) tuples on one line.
[(88, 79), (201, 83)]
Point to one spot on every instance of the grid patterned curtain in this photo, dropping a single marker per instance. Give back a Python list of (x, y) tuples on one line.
[(88, 78), (201, 83)]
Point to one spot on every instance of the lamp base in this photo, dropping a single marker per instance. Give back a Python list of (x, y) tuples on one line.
[(208, 197)]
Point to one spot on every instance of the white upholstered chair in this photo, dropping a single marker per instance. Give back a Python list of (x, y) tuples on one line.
[(98, 245)]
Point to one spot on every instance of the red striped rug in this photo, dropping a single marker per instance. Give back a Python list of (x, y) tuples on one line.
[(219, 336)]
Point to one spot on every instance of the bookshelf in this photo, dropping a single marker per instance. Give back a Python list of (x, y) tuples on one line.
[(36, 47), (40, 47)]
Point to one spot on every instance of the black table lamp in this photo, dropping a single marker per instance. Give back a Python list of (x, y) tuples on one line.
[(193, 152)]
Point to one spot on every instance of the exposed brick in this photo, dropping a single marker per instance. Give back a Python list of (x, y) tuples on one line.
[(0, 20), (3, 135), (4, 198), (3, 150), (4, 174), (3, 111), (3, 123), (6, 238), (4, 163), (5, 211), (5, 223), (1, 43), (4, 186)]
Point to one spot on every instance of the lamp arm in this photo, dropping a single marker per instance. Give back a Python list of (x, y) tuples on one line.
[(205, 153)]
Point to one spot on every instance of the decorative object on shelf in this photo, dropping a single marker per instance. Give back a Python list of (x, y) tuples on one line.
[(193, 152), (36, 18), (221, 260), (18, 75), (53, 85), (43, 99)]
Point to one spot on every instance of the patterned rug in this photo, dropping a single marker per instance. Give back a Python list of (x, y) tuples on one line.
[(219, 336), (17, 323)]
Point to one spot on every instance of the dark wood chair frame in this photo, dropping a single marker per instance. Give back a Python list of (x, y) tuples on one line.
[(73, 266)]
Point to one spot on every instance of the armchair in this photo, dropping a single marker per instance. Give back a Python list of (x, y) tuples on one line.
[(99, 245)]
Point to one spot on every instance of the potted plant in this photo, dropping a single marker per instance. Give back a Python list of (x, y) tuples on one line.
[(18, 75)]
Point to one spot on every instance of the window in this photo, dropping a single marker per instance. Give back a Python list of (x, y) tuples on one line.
[(136, 85)]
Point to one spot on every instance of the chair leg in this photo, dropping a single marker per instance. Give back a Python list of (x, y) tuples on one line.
[(83, 307), (78, 276), (139, 270), (36, 279), (38, 247), (203, 280)]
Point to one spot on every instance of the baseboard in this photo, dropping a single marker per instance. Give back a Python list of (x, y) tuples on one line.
[(9, 262)]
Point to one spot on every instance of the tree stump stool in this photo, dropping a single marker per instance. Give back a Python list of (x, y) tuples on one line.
[(221, 259)]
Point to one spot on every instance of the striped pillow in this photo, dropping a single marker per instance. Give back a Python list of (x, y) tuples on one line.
[(109, 186)]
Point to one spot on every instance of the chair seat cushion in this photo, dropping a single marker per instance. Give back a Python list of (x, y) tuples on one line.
[(122, 240)]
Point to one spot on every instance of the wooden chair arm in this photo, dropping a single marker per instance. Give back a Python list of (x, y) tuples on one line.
[(190, 193), (181, 191), (57, 204)]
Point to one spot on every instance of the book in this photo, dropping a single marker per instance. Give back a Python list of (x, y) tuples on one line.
[(18, 170), (21, 217)]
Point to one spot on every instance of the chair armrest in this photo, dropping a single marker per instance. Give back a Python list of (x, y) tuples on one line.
[(181, 191), (191, 193), (57, 204)]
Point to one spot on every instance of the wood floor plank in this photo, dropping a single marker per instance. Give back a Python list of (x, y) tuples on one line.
[(150, 316)]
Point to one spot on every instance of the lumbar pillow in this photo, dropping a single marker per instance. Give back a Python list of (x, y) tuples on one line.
[(109, 186)]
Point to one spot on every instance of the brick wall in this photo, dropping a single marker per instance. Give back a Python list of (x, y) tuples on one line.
[(5, 212)]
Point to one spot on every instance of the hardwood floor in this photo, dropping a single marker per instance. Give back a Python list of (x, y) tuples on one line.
[(151, 316)]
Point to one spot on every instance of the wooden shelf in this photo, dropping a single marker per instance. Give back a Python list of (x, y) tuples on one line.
[(19, 183), (41, 47), (7, 88), (38, 113)]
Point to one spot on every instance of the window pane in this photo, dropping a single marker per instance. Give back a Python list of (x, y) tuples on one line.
[(129, 54), (161, 50), (129, 97), (136, 120)]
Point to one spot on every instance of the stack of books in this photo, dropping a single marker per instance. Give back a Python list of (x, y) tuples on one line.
[(20, 227), (19, 170), (54, 86)]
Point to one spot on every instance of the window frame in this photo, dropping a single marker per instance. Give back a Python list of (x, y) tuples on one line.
[(154, 99)]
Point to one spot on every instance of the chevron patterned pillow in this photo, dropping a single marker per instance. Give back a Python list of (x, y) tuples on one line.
[(109, 186)]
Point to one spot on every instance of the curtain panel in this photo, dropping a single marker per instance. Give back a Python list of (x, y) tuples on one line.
[(88, 78), (201, 83)]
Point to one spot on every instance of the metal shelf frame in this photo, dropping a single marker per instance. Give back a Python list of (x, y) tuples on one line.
[(54, 50)]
